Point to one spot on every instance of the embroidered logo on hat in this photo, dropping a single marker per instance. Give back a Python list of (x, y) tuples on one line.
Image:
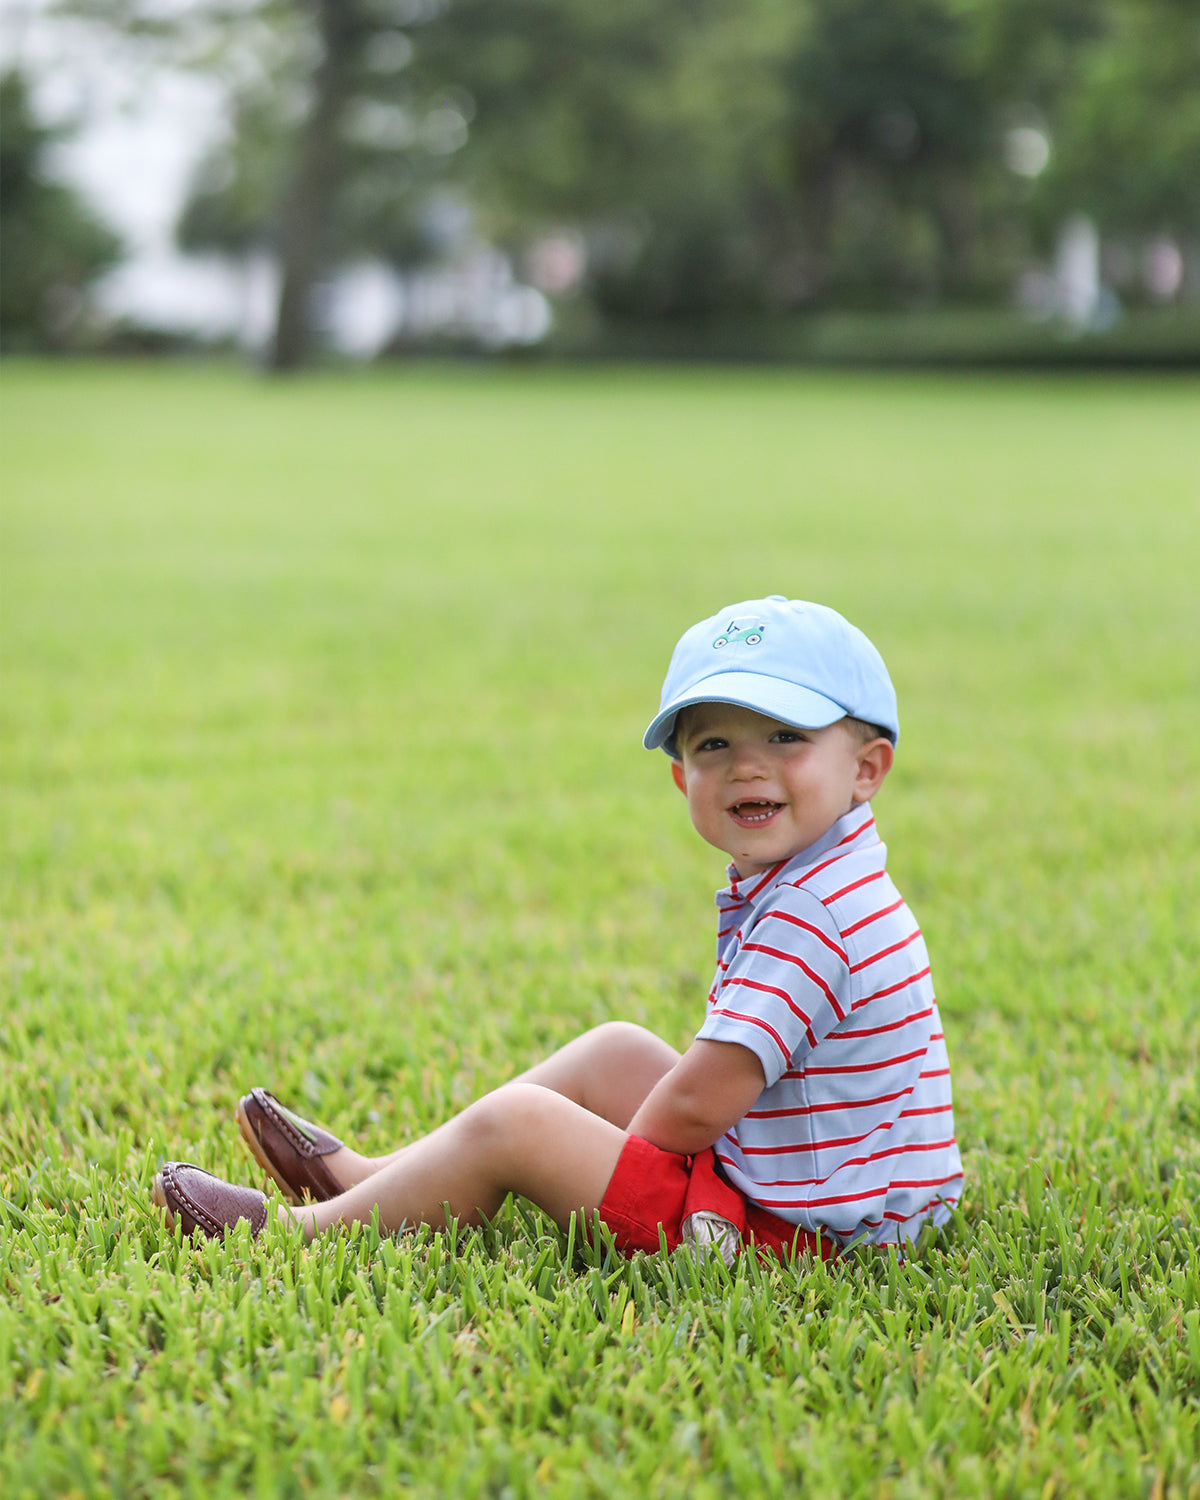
[(748, 631)]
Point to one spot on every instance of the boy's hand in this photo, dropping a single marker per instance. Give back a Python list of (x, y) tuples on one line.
[(709, 1089)]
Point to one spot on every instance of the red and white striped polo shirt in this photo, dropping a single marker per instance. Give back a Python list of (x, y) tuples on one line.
[(822, 973)]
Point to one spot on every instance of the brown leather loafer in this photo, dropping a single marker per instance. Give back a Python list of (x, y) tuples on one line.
[(205, 1204), (288, 1148)]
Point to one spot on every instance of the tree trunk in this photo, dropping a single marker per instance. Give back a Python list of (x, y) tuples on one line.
[(308, 206)]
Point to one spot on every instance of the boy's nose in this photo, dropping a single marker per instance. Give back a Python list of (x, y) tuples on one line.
[(747, 763)]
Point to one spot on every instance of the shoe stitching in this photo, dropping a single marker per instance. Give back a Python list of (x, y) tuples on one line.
[(298, 1142), (188, 1205)]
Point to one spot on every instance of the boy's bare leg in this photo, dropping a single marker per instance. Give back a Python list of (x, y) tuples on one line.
[(522, 1138), (608, 1071)]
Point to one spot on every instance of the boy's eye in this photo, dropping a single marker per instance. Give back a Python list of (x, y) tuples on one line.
[(714, 742), (787, 736)]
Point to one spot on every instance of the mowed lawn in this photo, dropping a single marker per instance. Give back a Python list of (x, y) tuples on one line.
[(322, 705)]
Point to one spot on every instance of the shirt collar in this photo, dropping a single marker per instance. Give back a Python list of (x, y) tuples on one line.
[(854, 831)]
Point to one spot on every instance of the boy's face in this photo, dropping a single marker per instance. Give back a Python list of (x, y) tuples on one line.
[(761, 790)]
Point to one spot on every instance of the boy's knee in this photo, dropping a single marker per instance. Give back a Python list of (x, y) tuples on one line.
[(624, 1038), (617, 1034), (507, 1118)]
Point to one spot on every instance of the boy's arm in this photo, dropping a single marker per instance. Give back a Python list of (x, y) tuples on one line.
[(709, 1089)]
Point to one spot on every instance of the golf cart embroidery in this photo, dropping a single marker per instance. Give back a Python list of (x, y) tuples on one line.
[(749, 632)]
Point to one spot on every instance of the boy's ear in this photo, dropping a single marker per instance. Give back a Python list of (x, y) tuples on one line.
[(874, 762), (677, 774)]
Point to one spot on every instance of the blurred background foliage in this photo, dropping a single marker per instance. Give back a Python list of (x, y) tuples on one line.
[(659, 163), (53, 245)]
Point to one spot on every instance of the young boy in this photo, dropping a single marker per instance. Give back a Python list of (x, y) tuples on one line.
[(813, 1109)]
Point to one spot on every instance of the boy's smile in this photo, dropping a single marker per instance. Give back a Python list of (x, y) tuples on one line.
[(754, 814), (762, 790)]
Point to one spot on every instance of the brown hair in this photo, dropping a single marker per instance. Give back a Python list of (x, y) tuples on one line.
[(864, 731)]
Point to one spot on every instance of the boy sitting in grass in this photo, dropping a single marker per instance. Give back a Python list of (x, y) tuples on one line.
[(812, 1112)]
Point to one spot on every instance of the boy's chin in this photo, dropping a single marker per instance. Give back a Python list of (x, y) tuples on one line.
[(751, 862), (749, 865)]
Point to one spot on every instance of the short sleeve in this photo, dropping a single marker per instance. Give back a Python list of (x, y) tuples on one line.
[(787, 985)]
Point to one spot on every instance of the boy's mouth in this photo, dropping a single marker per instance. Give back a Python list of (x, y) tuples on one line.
[(754, 814)]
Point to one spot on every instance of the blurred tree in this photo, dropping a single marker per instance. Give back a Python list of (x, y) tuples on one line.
[(391, 141), (799, 152), (1127, 127), (306, 210), (291, 69), (567, 107), (887, 135), (53, 246), (779, 153), (634, 121), (344, 113), (763, 155), (714, 154)]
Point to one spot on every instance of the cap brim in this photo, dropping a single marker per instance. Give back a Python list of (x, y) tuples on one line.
[(785, 701)]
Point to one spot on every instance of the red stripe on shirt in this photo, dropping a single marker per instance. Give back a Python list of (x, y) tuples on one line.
[(884, 911), (820, 1202), (917, 1015), (785, 916), (816, 870), (892, 989), (850, 1161), (766, 880), (853, 886), (820, 1109), (850, 837), (770, 989), (830, 1145), (872, 1067), (926, 1182), (924, 1208), (917, 1213), (762, 1026), (794, 958), (834, 1198), (884, 952)]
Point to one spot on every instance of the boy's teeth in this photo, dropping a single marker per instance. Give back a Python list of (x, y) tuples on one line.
[(751, 811)]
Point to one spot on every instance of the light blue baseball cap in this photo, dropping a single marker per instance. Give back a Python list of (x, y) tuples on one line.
[(800, 663)]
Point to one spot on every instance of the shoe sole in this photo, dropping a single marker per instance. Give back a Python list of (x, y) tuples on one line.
[(260, 1156), (158, 1196)]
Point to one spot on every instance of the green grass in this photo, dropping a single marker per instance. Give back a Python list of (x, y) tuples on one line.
[(321, 716)]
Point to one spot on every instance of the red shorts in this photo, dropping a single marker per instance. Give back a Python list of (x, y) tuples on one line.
[(652, 1190)]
